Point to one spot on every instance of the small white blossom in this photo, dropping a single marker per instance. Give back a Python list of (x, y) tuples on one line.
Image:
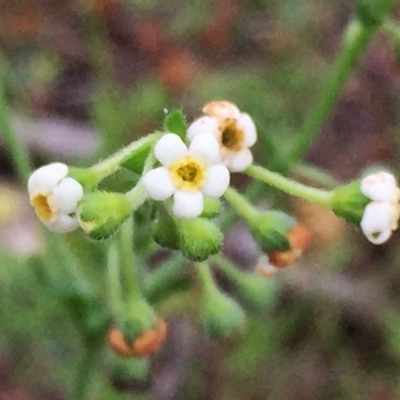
[(234, 130), (55, 197), (381, 186), (379, 220), (380, 217), (186, 173)]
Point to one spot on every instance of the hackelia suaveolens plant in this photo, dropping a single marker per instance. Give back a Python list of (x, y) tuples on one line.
[(55, 197), (381, 216), (187, 174), (234, 130)]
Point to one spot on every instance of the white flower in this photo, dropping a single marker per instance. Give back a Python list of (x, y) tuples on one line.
[(187, 174), (55, 197), (379, 220), (380, 186), (234, 130), (381, 216)]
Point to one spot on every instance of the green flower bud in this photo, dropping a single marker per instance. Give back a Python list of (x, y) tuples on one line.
[(199, 238), (270, 229), (165, 233), (349, 203), (101, 213), (222, 316), (256, 292), (212, 207), (140, 318)]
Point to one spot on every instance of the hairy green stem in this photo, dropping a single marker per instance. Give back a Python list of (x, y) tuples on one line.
[(17, 151), (206, 277), (111, 164), (241, 204), (357, 38), (313, 195)]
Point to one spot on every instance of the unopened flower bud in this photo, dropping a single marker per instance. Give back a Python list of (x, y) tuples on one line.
[(101, 213), (199, 238), (270, 229), (145, 345), (222, 316)]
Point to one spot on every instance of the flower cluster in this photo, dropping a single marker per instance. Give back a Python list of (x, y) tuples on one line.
[(219, 143), (381, 215)]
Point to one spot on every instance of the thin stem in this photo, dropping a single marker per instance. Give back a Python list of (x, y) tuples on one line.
[(111, 164), (18, 153), (113, 281), (228, 268), (127, 260), (137, 196), (162, 276), (241, 204), (315, 175), (356, 41), (206, 277), (83, 372), (317, 196)]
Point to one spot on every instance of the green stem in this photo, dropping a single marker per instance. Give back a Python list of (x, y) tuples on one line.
[(162, 276), (241, 204), (83, 371), (113, 281), (316, 175), (356, 41), (111, 164), (136, 196), (228, 268), (18, 153), (317, 196), (127, 261), (206, 277)]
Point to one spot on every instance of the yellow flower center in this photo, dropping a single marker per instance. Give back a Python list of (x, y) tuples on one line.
[(188, 174), (42, 207), (231, 137)]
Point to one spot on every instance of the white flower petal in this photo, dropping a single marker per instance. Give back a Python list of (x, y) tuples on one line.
[(65, 196), (188, 205), (217, 181), (221, 110), (158, 184), (203, 125), (381, 186), (378, 220), (46, 178), (62, 224), (239, 161), (169, 148), (246, 124), (205, 147)]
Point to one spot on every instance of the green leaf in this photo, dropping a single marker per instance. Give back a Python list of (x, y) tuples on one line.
[(175, 122)]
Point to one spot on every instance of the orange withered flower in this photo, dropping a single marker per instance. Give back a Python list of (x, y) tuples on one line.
[(299, 238), (145, 345)]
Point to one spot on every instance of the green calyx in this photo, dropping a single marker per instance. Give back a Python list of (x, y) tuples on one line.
[(85, 177), (349, 203), (199, 238), (165, 232), (212, 207), (222, 316), (136, 319), (270, 229), (101, 213)]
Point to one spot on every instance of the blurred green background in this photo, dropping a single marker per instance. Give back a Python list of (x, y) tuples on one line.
[(83, 78)]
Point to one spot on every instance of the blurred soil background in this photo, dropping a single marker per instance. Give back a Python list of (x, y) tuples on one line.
[(86, 77)]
